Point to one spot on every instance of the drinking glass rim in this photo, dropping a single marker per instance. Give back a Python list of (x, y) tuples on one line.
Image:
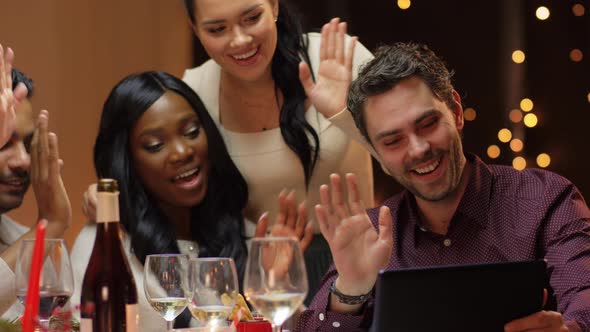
[(166, 255), (212, 259)]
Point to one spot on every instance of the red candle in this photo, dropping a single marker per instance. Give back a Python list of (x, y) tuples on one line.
[(32, 301)]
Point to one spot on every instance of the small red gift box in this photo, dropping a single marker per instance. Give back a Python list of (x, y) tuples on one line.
[(254, 326)]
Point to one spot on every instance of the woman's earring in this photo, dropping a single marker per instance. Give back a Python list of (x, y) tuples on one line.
[(276, 18)]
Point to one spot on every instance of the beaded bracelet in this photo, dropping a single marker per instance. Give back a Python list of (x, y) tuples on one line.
[(348, 299)]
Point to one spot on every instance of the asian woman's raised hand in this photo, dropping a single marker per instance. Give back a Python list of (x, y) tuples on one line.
[(328, 93)]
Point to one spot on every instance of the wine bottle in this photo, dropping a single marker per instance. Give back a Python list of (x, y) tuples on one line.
[(109, 297)]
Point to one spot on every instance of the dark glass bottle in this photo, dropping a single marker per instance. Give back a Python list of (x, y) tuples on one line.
[(109, 296)]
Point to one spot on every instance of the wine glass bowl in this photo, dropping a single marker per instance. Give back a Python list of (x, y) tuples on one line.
[(275, 282), (166, 285), (56, 282), (214, 285)]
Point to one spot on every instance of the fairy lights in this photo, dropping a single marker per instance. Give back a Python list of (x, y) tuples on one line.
[(576, 55), (516, 145), (515, 116), (493, 151), (543, 160), (578, 9), (530, 120), (404, 4), (504, 135), (519, 163), (469, 114), (526, 105), (518, 56), (542, 13)]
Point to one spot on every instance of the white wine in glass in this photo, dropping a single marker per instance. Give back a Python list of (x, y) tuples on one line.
[(166, 285), (56, 283), (276, 280), (214, 283)]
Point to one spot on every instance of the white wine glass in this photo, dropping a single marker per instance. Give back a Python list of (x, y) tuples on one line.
[(166, 285), (214, 283), (275, 282), (56, 282)]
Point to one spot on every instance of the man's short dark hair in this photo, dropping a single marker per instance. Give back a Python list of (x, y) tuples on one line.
[(391, 65), (20, 77)]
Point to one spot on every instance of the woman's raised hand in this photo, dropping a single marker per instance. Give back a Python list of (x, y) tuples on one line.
[(291, 221), (328, 93)]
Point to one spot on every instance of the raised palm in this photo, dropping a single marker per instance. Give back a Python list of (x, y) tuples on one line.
[(328, 93), (291, 221), (9, 99), (359, 251), (52, 199)]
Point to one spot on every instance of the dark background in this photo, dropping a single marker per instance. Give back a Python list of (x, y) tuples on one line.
[(476, 39)]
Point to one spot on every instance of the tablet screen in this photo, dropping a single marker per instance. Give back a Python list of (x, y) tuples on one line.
[(480, 297)]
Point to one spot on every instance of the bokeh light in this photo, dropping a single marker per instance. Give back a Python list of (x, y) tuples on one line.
[(515, 116), (578, 9), (543, 160), (530, 120), (516, 145), (576, 55), (470, 114), (519, 163), (504, 135), (526, 105), (518, 56), (542, 13), (493, 151), (404, 4)]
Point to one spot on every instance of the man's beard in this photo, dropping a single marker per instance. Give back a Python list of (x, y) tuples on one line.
[(453, 178)]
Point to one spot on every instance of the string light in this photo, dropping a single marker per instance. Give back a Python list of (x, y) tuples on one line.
[(516, 145), (519, 163), (518, 56), (578, 9), (530, 120), (576, 55), (504, 135), (469, 114), (493, 151), (404, 4), (543, 160), (526, 105), (543, 13), (515, 116)]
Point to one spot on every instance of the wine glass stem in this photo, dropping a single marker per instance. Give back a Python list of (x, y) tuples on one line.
[(169, 325), (276, 328)]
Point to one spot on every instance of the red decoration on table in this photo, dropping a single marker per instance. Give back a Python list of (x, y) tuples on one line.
[(32, 300), (254, 326)]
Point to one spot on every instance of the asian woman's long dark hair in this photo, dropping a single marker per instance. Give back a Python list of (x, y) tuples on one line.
[(216, 224), (291, 48)]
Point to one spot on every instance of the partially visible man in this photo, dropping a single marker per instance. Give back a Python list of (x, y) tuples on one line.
[(29, 156), (455, 208), (15, 166)]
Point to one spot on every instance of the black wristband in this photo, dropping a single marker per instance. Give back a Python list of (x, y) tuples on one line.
[(348, 299)]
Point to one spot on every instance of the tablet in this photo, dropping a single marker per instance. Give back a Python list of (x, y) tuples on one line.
[(458, 298)]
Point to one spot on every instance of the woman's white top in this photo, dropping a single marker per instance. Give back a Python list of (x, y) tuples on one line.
[(266, 161)]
